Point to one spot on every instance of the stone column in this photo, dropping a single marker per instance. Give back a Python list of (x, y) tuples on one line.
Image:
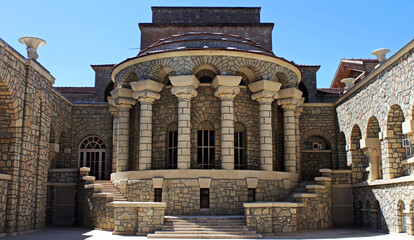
[(124, 102), (184, 89), (227, 89), (146, 92), (265, 92), (289, 130)]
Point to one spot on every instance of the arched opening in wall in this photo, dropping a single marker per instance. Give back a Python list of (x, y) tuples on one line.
[(129, 78), (377, 216), (206, 145), (108, 90), (304, 91), (373, 149), (92, 155), (240, 146), (394, 139), (162, 72), (342, 158), (248, 76), (358, 214), (315, 154), (166, 80), (369, 217), (359, 159), (205, 76), (284, 80), (401, 224), (172, 146)]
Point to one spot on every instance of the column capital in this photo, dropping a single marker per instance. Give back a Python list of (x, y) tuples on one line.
[(265, 96), (113, 110), (122, 98), (227, 92), (184, 92), (124, 103), (288, 104), (146, 96)]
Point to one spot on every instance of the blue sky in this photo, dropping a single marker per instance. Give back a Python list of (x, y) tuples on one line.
[(81, 33)]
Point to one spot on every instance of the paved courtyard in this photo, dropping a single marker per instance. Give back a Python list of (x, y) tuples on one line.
[(71, 233)]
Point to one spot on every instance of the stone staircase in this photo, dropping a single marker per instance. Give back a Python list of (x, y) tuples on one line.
[(301, 188), (205, 227), (108, 187)]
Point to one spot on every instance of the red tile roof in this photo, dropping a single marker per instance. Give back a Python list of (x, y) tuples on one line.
[(331, 90), (79, 90)]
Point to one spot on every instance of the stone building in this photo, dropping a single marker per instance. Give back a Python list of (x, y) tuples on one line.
[(207, 121)]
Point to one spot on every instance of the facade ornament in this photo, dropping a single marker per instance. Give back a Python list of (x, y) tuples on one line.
[(146, 96), (288, 103), (265, 96), (184, 92), (114, 111), (227, 93)]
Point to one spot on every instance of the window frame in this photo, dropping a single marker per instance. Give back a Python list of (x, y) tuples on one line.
[(408, 146), (92, 150), (172, 146), (157, 194), (204, 198), (240, 162), (208, 163)]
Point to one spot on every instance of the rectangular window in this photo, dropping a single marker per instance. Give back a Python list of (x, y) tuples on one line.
[(172, 150), (239, 151), (205, 149), (204, 198), (251, 195), (408, 146), (158, 194)]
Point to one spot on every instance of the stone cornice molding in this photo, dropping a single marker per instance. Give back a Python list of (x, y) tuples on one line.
[(146, 96), (227, 93), (265, 96), (184, 92), (288, 104), (124, 102)]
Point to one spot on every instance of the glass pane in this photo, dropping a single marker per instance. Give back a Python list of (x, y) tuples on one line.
[(170, 139), (236, 156), (241, 139), (212, 157), (206, 157), (211, 137), (175, 138), (236, 139), (205, 137), (199, 156), (199, 137)]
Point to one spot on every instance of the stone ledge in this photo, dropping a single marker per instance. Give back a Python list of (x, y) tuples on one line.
[(137, 204), (62, 184), (88, 178), (63, 170), (326, 170), (379, 182), (408, 160), (304, 195), (94, 186), (84, 169), (342, 186), (315, 187), (272, 204), (103, 195), (5, 177), (195, 174), (323, 179)]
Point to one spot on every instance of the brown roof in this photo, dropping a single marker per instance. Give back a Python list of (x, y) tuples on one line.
[(79, 90), (331, 90), (352, 68)]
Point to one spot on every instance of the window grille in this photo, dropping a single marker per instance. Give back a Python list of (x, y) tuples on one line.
[(408, 146), (239, 151), (205, 149), (172, 149), (92, 155), (158, 194), (204, 198), (251, 195)]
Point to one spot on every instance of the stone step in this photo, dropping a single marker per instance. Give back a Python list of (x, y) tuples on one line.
[(204, 224), (207, 231), (238, 229), (206, 220), (207, 235)]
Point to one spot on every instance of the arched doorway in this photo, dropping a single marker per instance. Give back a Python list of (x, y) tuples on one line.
[(92, 155), (316, 154)]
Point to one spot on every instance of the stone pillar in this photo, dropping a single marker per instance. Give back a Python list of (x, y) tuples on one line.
[(372, 148), (298, 112), (265, 92), (289, 130), (185, 89), (227, 89), (146, 92), (122, 99), (114, 112)]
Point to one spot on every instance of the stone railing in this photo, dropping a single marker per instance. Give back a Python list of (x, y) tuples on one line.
[(337, 176), (272, 217), (4, 182), (137, 218)]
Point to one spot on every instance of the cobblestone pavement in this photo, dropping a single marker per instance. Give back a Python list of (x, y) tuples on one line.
[(71, 233)]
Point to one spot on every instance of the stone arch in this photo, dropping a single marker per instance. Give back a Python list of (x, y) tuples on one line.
[(247, 74), (376, 215), (128, 78), (373, 128), (358, 158), (358, 214), (316, 153), (393, 139), (281, 77), (369, 217), (205, 73), (401, 217), (317, 132)]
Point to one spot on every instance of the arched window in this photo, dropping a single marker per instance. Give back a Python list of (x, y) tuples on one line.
[(92, 155), (239, 146)]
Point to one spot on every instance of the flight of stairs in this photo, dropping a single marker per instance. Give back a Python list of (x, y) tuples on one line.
[(204, 227), (301, 188), (108, 187)]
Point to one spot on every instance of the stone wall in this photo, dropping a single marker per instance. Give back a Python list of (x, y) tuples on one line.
[(3, 202), (182, 196), (70, 175), (376, 205)]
